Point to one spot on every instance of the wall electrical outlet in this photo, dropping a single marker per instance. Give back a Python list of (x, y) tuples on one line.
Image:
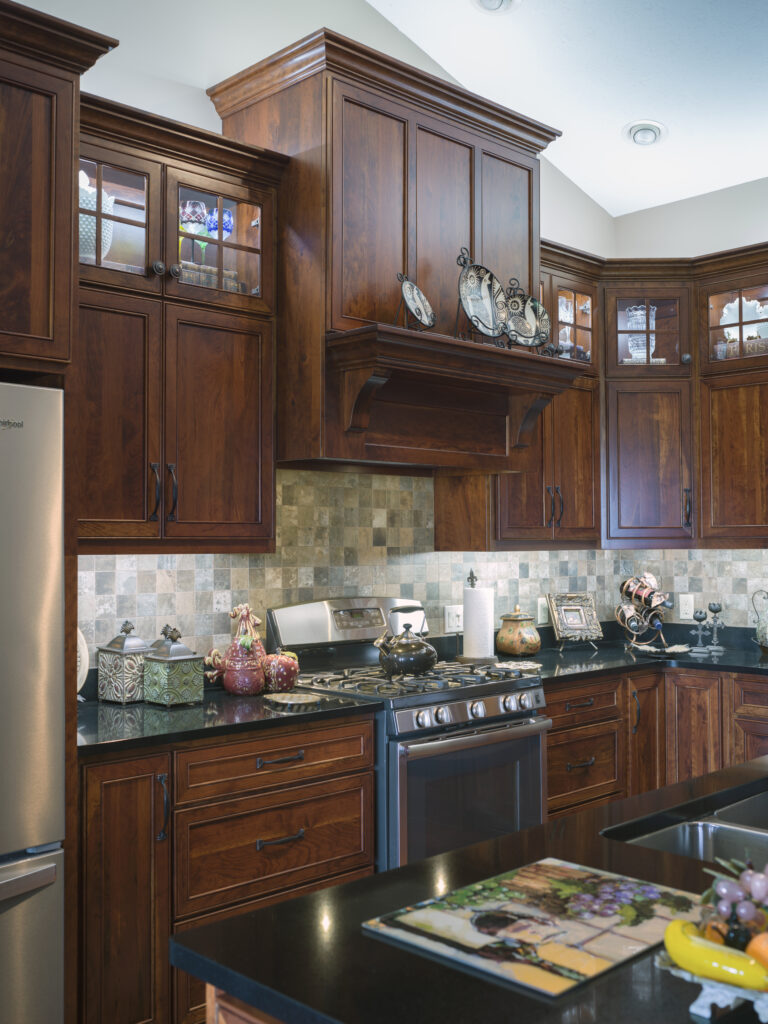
[(453, 618), (542, 611), (686, 606)]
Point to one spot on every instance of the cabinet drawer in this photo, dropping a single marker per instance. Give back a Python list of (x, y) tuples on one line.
[(586, 764), (750, 696), (236, 850), (579, 703), (277, 758)]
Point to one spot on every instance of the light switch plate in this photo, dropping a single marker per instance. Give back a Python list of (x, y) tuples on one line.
[(686, 606), (453, 618), (542, 611)]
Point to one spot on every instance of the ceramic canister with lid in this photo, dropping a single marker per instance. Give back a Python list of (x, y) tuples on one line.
[(173, 674), (121, 667), (517, 634)]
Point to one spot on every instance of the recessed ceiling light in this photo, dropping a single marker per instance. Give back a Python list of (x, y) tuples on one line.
[(644, 133), (495, 6)]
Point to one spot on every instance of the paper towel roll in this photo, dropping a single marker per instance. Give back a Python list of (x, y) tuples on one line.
[(478, 622)]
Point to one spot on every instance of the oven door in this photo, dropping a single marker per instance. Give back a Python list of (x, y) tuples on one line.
[(450, 791)]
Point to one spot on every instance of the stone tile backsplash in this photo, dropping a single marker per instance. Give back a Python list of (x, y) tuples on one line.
[(346, 534)]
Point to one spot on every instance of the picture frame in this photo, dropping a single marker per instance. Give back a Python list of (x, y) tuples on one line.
[(573, 617)]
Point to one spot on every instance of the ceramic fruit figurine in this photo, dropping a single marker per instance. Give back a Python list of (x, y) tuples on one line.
[(281, 670), (518, 635), (240, 669)]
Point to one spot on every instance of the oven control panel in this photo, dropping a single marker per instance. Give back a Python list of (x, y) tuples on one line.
[(478, 710)]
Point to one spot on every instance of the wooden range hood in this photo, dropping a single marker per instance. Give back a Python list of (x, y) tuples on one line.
[(393, 170)]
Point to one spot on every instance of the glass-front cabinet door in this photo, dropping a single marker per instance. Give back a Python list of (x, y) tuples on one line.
[(572, 308), (216, 235), (735, 333), (119, 220), (647, 332)]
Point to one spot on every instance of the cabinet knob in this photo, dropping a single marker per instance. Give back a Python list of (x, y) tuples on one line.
[(685, 358), (158, 268), (175, 270)]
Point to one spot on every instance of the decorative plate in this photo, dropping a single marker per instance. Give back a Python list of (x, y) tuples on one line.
[(294, 701), (83, 661), (527, 321), (482, 297), (416, 302)]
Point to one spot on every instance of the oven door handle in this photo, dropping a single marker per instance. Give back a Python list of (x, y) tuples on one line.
[(478, 738)]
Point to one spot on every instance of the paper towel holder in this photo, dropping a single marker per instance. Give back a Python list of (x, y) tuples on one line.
[(492, 659)]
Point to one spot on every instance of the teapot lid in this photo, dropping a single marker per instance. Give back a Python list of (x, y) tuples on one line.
[(517, 615), (168, 647), (124, 642)]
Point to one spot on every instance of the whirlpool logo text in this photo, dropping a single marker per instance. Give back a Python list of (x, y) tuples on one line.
[(11, 424)]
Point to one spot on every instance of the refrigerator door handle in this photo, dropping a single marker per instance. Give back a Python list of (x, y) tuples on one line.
[(27, 881)]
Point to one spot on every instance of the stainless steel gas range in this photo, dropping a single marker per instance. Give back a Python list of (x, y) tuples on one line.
[(460, 750)]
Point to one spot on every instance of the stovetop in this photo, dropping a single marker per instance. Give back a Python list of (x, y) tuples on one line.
[(372, 682)]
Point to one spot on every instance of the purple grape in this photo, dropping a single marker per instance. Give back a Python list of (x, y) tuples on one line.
[(745, 878), (724, 908), (758, 886), (650, 892), (745, 910), (728, 890), (608, 909)]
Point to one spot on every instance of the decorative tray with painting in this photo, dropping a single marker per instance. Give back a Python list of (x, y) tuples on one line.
[(547, 927)]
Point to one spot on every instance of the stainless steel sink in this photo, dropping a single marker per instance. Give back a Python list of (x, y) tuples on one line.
[(753, 811), (709, 838)]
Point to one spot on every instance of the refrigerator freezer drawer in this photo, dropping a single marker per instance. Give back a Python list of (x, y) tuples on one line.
[(32, 939)]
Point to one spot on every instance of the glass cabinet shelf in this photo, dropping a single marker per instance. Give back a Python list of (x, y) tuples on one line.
[(737, 325), (574, 324), (647, 331), (112, 217)]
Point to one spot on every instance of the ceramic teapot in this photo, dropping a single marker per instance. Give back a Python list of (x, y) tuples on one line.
[(406, 653), (761, 626), (240, 667)]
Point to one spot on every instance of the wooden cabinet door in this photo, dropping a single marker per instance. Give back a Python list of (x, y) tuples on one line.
[(114, 417), (508, 198), (36, 211), (647, 732), (369, 207), (647, 331), (650, 491), (734, 457), (218, 463), (525, 499), (694, 713), (126, 870), (575, 429)]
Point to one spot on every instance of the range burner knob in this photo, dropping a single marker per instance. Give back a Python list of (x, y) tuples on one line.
[(526, 700), (477, 709), (422, 719), (442, 715), (509, 703)]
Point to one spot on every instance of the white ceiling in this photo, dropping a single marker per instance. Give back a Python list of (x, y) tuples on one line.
[(587, 67)]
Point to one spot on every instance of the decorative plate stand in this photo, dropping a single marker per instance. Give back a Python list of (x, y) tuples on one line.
[(417, 304), (715, 993)]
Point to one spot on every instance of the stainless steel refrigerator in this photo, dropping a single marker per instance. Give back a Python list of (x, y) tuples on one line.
[(31, 705)]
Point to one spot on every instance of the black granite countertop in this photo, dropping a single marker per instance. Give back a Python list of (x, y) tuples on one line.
[(102, 726), (307, 960)]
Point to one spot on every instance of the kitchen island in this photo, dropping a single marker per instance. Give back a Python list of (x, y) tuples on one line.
[(307, 961)]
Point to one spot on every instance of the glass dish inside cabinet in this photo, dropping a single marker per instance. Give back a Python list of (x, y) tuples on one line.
[(574, 324), (738, 323), (648, 331), (112, 217), (219, 242)]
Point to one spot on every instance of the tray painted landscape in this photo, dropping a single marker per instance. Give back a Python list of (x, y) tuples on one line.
[(547, 926)]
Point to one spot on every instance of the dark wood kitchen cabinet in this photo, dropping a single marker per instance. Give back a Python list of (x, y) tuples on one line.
[(745, 718), (694, 712), (649, 487), (646, 711), (734, 457), (199, 831), (41, 60), (159, 394), (163, 392), (126, 895), (647, 330), (392, 171)]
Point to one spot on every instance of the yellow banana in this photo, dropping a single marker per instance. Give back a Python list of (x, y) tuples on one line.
[(691, 951)]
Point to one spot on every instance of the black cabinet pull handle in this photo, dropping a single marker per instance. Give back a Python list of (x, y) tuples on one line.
[(155, 467), (688, 509), (580, 764), (581, 704), (551, 506), (260, 762), (172, 470), (562, 505), (175, 270), (261, 843), (162, 778), (158, 268), (636, 726)]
